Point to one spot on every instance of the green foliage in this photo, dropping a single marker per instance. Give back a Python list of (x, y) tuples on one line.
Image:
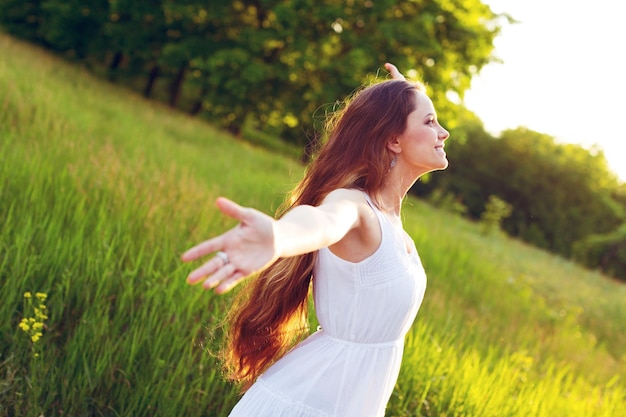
[(496, 210), (22, 18), (73, 25), (447, 201), (101, 190), (66, 26), (271, 61), (560, 193), (606, 252)]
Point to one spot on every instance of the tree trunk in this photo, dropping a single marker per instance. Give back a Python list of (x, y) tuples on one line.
[(176, 86), (234, 129), (152, 77), (115, 64), (197, 106)]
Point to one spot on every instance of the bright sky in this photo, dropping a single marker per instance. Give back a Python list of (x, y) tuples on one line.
[(564, 74)]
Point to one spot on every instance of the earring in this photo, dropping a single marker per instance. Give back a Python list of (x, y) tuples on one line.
[(394, 160)]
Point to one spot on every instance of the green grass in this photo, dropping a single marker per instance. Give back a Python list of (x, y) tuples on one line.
[(99, 193)]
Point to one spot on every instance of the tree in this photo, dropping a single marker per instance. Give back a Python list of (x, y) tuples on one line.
[(278, 61), (22, 17), (606, 252), (135, 34), (72, 26), (273, 62), (496, 210), (560, 193)]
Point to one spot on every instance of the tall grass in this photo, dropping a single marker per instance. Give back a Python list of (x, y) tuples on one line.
[(99, 193)]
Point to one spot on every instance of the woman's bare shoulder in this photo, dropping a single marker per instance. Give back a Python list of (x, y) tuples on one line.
[(346, 194), (364, 239)]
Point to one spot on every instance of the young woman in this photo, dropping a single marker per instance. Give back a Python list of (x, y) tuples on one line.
[(341, 230)]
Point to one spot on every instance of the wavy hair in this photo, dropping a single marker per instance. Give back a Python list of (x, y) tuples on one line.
[(270, 314)]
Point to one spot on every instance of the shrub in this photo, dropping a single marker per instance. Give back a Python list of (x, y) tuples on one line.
[(495, 211), (606, 252)]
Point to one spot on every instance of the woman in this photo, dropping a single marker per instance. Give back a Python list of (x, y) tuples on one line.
[(342, 230)]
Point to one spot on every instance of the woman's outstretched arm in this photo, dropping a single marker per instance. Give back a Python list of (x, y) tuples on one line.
[(259, 240)]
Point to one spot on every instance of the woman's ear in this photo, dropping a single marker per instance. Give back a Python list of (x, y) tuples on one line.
[(394, 145)]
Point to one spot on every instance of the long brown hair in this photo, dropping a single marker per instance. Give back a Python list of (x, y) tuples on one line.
[(270, 313)]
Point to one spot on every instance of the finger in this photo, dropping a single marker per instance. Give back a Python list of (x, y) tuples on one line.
[(229, 283), (202, 249), (205, 270), (220, 275), (229, 208), (395, 74)]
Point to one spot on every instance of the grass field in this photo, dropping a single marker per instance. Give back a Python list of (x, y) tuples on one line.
[(100, 191)]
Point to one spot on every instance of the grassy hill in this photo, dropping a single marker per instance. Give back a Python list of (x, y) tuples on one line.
[(100, 191)]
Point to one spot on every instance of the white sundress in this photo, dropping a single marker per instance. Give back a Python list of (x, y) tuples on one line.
[(349, 367)]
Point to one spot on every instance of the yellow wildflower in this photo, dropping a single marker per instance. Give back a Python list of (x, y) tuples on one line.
[(33, 326), (40, 315)]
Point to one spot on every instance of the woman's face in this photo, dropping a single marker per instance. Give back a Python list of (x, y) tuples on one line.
[(421, 144)]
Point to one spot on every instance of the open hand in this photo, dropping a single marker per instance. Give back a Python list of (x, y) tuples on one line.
[(243, 250)]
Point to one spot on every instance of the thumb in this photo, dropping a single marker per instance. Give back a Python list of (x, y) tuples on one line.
[(231, 209)]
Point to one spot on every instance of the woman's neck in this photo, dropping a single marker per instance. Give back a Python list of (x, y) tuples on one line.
[(394, 191)]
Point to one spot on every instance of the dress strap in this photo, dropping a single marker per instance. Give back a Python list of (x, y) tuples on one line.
[(369, 200), (379, 214)]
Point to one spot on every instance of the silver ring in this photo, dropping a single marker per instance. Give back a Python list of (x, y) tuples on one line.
[(223, 257)]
